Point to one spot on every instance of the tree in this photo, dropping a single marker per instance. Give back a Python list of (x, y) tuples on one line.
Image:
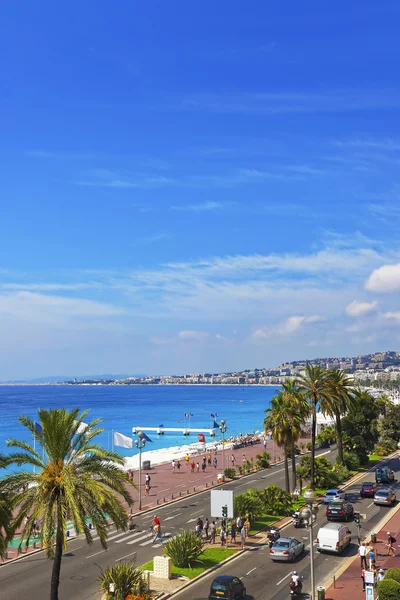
[(249, 504), (337, 402), (313, 384), (276, 501), (360, 425), (388, 589), (74, 479), (276, 420), (384, 403), (5, 522), (390, 425)]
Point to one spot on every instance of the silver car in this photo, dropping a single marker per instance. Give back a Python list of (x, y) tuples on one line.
[(334, 495), (286, 549), (385, 496)]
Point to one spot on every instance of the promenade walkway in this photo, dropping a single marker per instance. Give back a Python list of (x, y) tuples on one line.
[(349, 584)]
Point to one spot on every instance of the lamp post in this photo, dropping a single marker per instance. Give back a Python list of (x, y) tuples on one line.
[(310, 514), (140, 444), (223, 428)]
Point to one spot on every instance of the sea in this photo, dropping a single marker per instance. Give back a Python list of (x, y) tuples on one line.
[(122, 408)]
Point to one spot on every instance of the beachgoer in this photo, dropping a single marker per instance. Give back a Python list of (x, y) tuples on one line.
[(362, 551), (243, 537), (206, 526), (192, 466), (215, 463), (390, 541), (213, 532)]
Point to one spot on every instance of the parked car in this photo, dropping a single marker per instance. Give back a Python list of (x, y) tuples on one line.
[(286, 549), (339, 511), (333, 495), (227, 586), (368, 489), (385, 496), (333, 537)]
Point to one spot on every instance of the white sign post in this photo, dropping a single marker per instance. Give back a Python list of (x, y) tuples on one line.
[(221, 503)]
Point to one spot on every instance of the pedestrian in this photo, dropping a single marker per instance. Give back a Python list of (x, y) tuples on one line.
[(233, 532), (187, 458), (381, 575), (192, 466), (147, 489), (239, 523), (178, 466), (203, 466), (215, 449), (243, 537), (197, 467), (148, 478), (213, 532), (156, 521), (371, 556), (206, 526), (390, 541), (244, 458), (158, 534), (173, 464), (233, 460), (265, 444), (222, 535), (197, 529), (362, 551), (209, 460), (363, 578), (246, 525), (215, 463)]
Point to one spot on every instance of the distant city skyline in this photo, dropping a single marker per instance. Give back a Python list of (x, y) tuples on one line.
[(197, 188)]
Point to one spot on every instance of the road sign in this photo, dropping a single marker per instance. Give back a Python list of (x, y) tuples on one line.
[(221, 503)]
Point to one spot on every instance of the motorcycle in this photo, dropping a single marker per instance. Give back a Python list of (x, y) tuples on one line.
[(297, 519), (295, 588), (273, 535)]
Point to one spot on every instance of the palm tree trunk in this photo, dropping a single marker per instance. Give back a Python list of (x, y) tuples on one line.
[(58, 552), (339, 437), (294, 482), (313, 435), (287, 487)]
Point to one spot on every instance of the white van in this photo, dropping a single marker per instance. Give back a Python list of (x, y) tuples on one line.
[(333, 537)]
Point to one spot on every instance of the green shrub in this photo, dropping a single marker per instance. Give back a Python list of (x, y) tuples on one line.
[(308, 446), (126, 577), (263, 460), (184, 549), (276, 501), (249, 504), (351, 461), (388, 589), (393, 573), (230, 473)]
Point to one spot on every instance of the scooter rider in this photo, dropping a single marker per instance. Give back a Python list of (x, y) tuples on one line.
[(296, 580)]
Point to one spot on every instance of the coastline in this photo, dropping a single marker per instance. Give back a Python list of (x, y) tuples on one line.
[(184, 385)]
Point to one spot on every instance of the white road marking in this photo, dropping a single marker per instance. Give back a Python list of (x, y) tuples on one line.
[(113, 537), (251, 571), (144, 537), (286, 576), (173, 517), (130, 537), (252, 481), (73, 549), (369, 505), (101, 552), (191, 521), (126, 556), (155, 543)]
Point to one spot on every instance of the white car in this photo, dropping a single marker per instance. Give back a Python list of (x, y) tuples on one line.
[(334, 495)]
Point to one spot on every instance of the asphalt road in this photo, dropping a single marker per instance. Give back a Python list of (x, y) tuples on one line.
[(266, 580), (29, 578)]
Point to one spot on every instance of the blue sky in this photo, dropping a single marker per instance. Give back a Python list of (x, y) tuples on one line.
[(197, 187)]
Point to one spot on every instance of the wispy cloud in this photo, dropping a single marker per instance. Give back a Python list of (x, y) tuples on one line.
[(204, 206), (289, 326), (358, 309)]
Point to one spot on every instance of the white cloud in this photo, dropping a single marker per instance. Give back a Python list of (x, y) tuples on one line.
[(193, 335), (205, 206), (384, 279), (290, 325), (393, 315), (357, 309)]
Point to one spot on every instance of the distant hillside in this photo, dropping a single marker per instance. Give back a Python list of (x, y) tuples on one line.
[(63, 378)]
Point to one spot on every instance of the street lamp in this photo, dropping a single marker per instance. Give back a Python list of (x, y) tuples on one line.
[(223, 428), (310, 514), (140, 444)]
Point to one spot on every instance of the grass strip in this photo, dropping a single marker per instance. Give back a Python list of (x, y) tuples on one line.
[(207, 559)]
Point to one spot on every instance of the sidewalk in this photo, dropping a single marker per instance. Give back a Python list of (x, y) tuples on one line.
[(349, 584)]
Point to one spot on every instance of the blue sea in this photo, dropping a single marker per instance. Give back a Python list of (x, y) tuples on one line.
[(123, 407)]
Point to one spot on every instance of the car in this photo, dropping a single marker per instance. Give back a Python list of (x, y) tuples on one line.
[(384, 475), (368, 489), (385, 496), (227, 586), (334, 494), (286, 549), (339, 511)]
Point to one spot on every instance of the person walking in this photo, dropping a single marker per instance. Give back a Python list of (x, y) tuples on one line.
[(197, 467), (246, 525), (243, 537), (158, 534), (213, 532), (233, 532), (173, 465), (147, 489), (178, 466), (187, 458), (192, 466), (265, 444), (222, 535), (206, 526), (209, 460), (239, 523), (390, 541), (233, 460), (203, 466), (215, 463), (362, 551), (371, 556), (363, 578)]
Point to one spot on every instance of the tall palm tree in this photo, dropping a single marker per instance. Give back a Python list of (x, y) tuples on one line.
[(313, 384), (384, 402), (5, 523), (74, 479), (297, 411), (337, 402), (276, 420)]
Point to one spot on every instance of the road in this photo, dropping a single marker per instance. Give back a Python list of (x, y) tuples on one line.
[(266, 580), (30, 577)]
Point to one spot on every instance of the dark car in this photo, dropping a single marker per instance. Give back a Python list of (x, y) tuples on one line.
[(227, 586), (368, 489), (339, 511)]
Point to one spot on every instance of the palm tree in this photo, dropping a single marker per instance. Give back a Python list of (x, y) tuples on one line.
[(74, 479), (297, 409), (337, 402), (5, 521), (384, 402), (276, 420), (313, 384)]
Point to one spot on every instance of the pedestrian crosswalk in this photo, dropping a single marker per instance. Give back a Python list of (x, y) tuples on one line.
[(142, 538)]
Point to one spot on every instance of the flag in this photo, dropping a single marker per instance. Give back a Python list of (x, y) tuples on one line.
[(146, 437), (38, 427), (216, 425), (162, 425), (122, 440), (81, 427)]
